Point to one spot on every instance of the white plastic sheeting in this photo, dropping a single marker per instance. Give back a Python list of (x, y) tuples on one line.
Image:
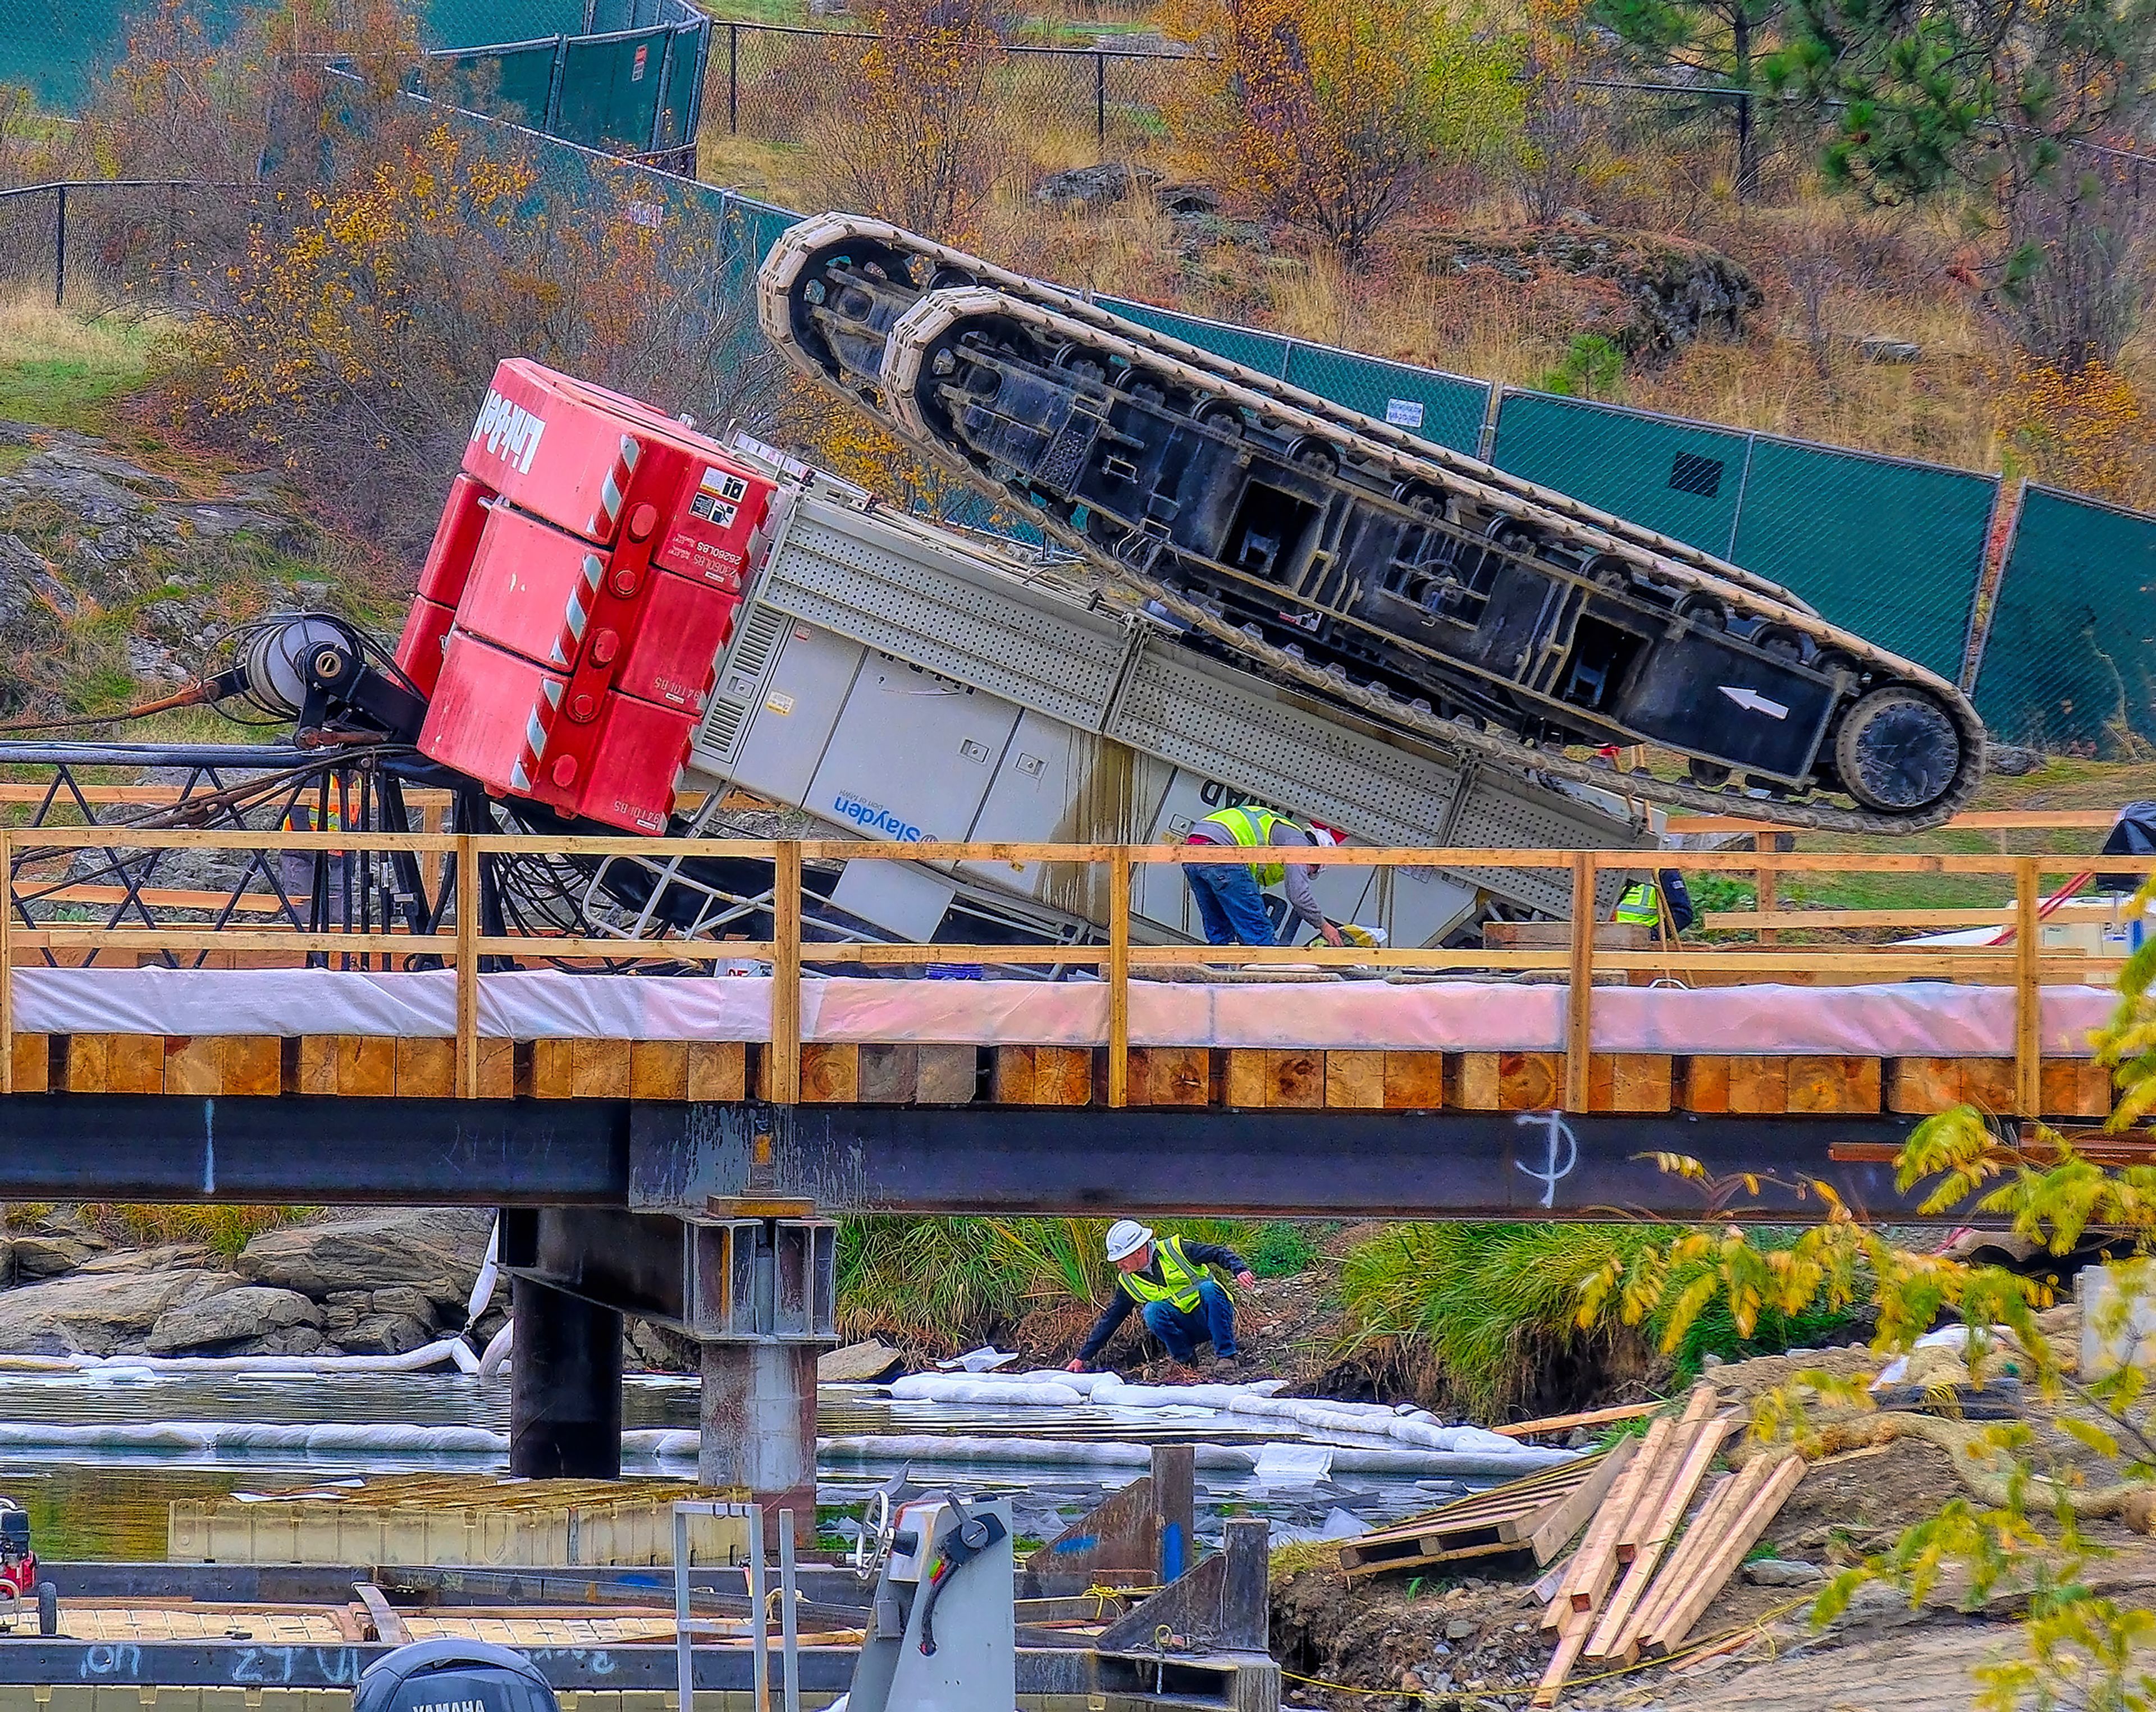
[(1913, 1019), (1069, 1453)]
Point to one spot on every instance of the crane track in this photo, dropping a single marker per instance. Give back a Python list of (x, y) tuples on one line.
[(800, 244), (891, 400)]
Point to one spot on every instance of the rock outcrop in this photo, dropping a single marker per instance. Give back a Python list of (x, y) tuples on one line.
[(100, 1313), (245, 1314), (1649, 295), (436, 1253)]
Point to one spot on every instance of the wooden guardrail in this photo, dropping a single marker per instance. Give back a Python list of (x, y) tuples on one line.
[(2023, 964)]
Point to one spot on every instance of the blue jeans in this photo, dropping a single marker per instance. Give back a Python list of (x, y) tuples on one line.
[(1213, 1320), (1229, 905)]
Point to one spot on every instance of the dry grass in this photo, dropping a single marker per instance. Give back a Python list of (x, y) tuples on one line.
[(64, 367)]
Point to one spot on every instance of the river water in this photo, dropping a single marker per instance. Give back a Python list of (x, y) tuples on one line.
[(113, 1504)]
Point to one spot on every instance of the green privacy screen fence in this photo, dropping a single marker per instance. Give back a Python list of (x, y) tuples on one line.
[(625, 76), (1890, 549), (1446, 409), (2070, 662)]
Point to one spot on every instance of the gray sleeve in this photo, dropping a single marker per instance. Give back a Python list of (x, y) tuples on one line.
[(1301, 900)]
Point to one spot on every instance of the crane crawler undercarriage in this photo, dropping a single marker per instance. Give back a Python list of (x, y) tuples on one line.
[(1416, 585)]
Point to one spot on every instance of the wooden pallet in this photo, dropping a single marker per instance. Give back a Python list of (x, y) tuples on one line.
[(1539, 1514)]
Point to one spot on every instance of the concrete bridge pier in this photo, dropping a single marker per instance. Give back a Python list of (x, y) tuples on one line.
[(757, 1426), (758, 1294)]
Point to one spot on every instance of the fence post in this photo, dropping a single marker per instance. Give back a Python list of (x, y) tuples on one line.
[(1580, 987), (2028, 994), (1101, 102), (467, 1076), (785, 1080), (659, 108), (733, 79), (172, 243), (553, 116), (7, 962), (1119, 976), (60, 245)]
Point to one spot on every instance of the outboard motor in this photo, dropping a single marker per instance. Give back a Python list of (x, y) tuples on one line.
[(19, 1585), (453, 1676)]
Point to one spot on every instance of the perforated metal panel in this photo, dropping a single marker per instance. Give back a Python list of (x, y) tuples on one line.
[(1234, 732), (921, 600), (1493, 817)]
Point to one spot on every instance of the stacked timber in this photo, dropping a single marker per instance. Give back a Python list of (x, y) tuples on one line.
[(1663, 1541), (1538, 1515)]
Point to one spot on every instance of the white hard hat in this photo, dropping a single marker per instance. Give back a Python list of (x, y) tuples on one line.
[(1324, 835), (1126, 1236)]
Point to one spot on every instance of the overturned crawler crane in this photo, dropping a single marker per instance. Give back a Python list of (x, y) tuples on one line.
[(1417, 584)]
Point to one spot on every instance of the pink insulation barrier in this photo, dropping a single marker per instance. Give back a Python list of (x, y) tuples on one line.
[(1908, 1019)]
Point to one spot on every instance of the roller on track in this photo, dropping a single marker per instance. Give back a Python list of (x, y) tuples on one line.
[(1417, 584)]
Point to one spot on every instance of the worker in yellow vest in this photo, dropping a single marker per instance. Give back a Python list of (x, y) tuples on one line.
[(1230, 899), (1662, 905), (1183, 1305)]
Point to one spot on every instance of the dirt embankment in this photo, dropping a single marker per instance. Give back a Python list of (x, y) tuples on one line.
[(1473, 1636)]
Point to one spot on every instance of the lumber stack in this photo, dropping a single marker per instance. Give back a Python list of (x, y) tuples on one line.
[(1664, 1541), (1538, 1514)]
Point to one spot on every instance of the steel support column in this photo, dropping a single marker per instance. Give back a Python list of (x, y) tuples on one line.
[(564, 1387), (757, 1427)]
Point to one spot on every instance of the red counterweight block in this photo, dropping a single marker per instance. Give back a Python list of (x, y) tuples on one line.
[(500, 718), (419, 648), (456, 539)]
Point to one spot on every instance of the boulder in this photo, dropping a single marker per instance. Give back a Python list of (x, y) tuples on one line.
[(856, 1364), (99, 1314), (1089, 187), (169, 1257), (48, 1254), (403, 1298), (437, 1251), (386, 1335), (653, 1349), (1879, 348), (246, 1313), (1782, 1572)]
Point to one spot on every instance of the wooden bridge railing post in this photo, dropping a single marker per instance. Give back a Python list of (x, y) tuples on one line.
[(1119, 977), (467, 1075), (2028, 993), (1579, 986), (7, 961), (785, 1079)]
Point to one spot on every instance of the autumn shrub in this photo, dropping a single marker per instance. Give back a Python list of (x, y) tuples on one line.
[(913, 137), (1338, 116), (352, 344), (2090, 431)]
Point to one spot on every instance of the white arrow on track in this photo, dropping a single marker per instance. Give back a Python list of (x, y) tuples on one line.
[(1754, 702)]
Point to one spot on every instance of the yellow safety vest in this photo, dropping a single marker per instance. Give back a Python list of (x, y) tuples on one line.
[(1250, 829), (1179, 1278), (1642, 906)]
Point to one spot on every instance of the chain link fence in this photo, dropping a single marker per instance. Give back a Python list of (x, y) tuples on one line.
[(162, 242), (781, 83)]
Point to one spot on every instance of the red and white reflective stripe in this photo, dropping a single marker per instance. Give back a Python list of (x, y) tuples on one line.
[(612, 488), (577, 616), (525, 766)]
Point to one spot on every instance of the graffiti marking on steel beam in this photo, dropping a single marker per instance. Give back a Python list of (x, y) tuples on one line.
[(1560, 1152)]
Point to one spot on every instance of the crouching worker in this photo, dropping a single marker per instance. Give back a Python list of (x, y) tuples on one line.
[(1182, 1303)]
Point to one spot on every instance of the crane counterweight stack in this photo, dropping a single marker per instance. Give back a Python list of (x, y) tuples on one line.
[(585, 575)]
